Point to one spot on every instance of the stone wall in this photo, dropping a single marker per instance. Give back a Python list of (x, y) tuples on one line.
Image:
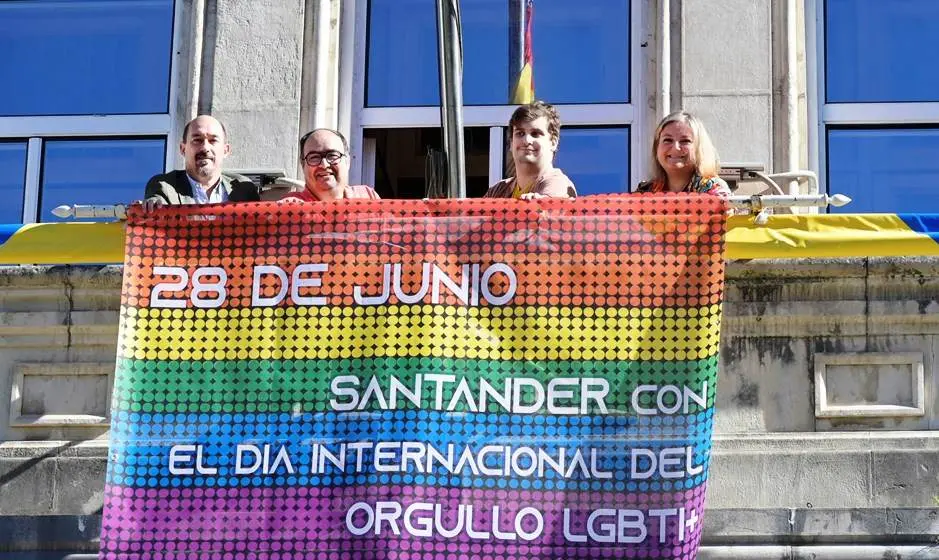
[(828, 401)]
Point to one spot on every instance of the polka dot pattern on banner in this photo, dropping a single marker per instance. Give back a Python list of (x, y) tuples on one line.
[(237, 385), (416, 380)]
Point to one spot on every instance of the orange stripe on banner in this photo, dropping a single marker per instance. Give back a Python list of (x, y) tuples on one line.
[(624, 280), (637, 225)]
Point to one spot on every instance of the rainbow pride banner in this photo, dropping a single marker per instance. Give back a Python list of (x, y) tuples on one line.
[(416, 380), (783, 237)]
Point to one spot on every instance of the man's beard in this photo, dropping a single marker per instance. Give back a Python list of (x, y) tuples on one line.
[(205, 170)]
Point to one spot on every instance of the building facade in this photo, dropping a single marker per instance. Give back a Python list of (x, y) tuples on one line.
[(826, 442), (103, 89)]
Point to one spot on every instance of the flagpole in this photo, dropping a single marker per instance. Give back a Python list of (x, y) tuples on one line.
[(516, 43), (516, 64), (450, 65)]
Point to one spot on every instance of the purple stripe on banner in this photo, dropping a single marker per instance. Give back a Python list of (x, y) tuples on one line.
[(401, 521)]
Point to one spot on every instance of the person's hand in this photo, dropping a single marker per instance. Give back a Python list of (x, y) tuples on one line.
[(532, 196), (151, 204)]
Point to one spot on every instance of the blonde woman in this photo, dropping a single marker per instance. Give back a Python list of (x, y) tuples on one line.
[(683, 158)]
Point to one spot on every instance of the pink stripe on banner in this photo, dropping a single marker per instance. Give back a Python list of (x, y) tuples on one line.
[(295, 523)]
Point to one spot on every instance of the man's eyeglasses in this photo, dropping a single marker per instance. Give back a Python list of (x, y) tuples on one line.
[(315, 158)]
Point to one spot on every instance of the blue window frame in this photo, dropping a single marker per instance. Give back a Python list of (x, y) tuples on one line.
[(580, 49), (880, 134), (885, 169), (881, 51), (596, 159), (96, 171), (79, 57), (12, 181)]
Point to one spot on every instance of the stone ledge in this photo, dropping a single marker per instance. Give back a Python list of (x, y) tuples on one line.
[(728, 533), (867, 471), (855, 267), (811, 526), (76, 275), (817, 441), (755, 443), (845, 552), (53, 449)]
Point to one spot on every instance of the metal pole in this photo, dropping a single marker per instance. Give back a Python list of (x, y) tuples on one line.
[(758, 202), (450, 64), (516, 43), (664, 51), (753, 203)]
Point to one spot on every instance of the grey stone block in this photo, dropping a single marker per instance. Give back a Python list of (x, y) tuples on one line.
[(809, 526), (68, 533), (26, 486), (79, 485), (871, 552), (797, 479), (896, 525), (743, 59), (908, 477), (846, 552), (744, 553), (746, 526)]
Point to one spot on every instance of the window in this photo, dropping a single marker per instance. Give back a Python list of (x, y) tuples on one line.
[(96, 171), (90, 110), (69, 57), (401, 160), (12, 181), (594, 159), (878, 135), (583, 56), (876, 51), (574, 44), (895, 168)]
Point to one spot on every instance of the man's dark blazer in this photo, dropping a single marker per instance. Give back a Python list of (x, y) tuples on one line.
[(174, 188)]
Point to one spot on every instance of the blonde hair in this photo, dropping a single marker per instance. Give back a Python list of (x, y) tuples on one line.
[(706, 161)]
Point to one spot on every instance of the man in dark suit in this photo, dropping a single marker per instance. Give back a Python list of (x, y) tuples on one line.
[(204, 147)]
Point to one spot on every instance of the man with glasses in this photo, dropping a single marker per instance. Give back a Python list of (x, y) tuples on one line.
[(204, 147), (325, 155)]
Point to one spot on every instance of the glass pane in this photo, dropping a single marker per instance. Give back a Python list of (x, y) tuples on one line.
[(406, 162), (73, 57), (886, 170), (881, 51), (12, 181), (97, 172), (596, 159), (402, 53)]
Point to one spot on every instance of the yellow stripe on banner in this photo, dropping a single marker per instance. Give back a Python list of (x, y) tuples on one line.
[(831, 235), (541, 333), (65, 243)]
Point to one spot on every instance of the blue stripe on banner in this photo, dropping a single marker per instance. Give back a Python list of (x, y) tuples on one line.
[(7, 231), (927, 224), (423, 425), (144, 449)]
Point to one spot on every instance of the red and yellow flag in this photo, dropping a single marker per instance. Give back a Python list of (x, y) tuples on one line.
[(525, 86)]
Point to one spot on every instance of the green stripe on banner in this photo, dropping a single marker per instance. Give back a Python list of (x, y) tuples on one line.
[(306, 385)]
